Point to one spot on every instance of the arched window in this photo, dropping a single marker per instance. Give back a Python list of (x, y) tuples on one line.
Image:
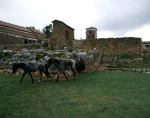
[(30, 41), (67, 35)]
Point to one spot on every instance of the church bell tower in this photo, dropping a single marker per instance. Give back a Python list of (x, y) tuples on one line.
[(91, 33)]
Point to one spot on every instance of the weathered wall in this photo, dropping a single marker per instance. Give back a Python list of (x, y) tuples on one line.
[(126, 45), (7, 39), (57, 42)]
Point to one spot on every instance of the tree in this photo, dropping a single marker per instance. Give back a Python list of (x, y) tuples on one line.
[(47, 30), (32, 27)]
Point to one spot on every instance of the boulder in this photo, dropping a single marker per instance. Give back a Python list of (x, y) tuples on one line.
[(26, 55), (36, 74), (25, 50), (1, 71), (32, 61), (7, 52), (17, 74), (32, 57), (69, 72)]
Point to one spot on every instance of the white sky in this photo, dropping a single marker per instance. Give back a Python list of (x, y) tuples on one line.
[(112, 18)]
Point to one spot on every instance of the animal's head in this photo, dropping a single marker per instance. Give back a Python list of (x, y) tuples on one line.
[(14, 68)]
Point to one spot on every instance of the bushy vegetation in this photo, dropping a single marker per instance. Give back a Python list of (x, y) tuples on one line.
[(123, 94)]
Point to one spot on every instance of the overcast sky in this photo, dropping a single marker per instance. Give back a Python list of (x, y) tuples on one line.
[(112, 18)]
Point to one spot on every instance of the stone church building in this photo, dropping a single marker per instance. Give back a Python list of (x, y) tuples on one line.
[(61, 34), (63, 30)]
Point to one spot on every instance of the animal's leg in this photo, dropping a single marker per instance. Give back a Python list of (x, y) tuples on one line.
[(39, 81), (23, 76), (77, 68), (31, 77), (40, 76), (74, 73), (65, 75), (47, 74), (78, 73), (57, 76), (60, 70)]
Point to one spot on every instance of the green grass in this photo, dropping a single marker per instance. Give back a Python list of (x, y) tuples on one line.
[(146, 61), (125, 94), (118, 65), (125, 56)]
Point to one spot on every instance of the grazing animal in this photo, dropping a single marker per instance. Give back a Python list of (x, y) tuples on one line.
[(28, 68), (58, 65)]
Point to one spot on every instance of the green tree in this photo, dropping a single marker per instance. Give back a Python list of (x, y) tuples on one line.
[(47, 30)]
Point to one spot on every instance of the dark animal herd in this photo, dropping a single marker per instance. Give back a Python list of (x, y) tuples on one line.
[(53, 66)]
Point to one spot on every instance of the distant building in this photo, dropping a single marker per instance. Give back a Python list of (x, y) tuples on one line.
[(62, 34), (91, 33), (146, 44), (14, 34), (63, 30)]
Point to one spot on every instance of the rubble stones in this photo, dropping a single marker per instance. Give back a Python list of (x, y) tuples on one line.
[(91, 58)]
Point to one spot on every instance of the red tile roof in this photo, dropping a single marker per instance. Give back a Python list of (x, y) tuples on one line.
[(34, 30), (6, 30), (63, 23), (9, 25), (20, 30)]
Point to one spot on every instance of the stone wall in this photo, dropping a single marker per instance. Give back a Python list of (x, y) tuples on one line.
[(8, 57), (126, 45), (7, 39), (57, 42), (17, 47)]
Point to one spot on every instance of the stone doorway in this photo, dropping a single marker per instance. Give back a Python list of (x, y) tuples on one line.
[(25, 41), (67, 35)]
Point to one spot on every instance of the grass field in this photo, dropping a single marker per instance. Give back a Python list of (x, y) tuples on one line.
[(124, 94)]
